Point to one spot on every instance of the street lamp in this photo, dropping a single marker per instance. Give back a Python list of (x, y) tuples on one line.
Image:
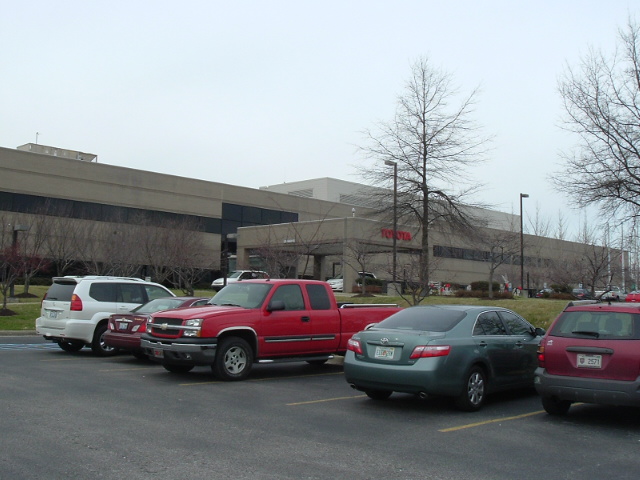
[(522, 195), (14, 249), (393, 164)]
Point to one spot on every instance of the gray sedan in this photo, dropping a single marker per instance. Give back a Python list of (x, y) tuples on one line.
[(460, 351)]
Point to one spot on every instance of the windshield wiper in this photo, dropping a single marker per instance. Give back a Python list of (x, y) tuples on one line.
[(586, 332)]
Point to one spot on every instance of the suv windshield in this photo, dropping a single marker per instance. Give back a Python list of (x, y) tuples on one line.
[(598, 324)]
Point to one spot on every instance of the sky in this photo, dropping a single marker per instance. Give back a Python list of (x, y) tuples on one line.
[(262, 92)]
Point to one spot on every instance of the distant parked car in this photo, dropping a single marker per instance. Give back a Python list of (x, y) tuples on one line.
[(581, 294), (545, 292), (337, 283), (590, 354), (633, 296), (237, 276), (125, 329), (461, 351)]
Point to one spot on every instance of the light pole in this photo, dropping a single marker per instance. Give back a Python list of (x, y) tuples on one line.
[(522, 195), (393, 164), (14, 249)]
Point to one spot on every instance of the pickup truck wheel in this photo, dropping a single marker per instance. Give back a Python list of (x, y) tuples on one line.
[(70, 345), (98, 346), (177, 368), (234, 359)]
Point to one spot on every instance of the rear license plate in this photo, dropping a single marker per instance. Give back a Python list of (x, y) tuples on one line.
[(385, 353), (52, 314), (158, 353), (589, 361), (122, 326)]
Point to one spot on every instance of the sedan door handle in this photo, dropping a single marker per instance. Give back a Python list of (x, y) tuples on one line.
[(305, 319), (483, 344)]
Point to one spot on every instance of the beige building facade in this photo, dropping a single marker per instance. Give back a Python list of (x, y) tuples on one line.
[(324, 225)]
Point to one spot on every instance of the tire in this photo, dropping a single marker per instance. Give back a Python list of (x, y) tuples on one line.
[(554, 406), (177, 368), (140, 355), (234, 359), (98, 346), (378, 394), (71, 345), (475, 390), (317, 363)]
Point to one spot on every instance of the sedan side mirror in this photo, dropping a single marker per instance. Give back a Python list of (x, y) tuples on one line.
[(539, 332)]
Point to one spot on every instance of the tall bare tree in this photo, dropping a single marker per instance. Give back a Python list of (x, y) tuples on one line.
[(431, 140), (602, 103)]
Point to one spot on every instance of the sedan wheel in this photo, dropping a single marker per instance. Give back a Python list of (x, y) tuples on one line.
[(472, 398), (378, 394)]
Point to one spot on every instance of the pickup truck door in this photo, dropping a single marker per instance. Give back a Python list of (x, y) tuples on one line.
[(288, 331)]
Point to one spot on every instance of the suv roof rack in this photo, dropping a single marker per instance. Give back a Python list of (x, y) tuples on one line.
[(99, 277)]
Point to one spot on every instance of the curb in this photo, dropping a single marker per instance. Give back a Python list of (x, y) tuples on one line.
[(17, 333)]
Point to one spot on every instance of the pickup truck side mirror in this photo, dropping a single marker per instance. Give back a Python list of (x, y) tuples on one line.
[(275, 305)]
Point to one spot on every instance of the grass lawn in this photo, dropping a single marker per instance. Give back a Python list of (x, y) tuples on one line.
[(540, 312)]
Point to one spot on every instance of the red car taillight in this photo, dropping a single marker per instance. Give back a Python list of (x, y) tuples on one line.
[(541, 356), (355, 346), (424, 351), (76, 303)]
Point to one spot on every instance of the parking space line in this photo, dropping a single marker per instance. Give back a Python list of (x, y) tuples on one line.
[(262, 379), (59, 360), (495, 420), (132, 369), (325, 400)]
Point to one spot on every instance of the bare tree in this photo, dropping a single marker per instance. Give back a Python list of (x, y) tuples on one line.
[(499, 248), (431, 140), (602, 102)]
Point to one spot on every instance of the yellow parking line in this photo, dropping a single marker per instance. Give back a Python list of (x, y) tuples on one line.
[(261, 379), (325, 400), (495, 420), (59, 360), (124, 369)]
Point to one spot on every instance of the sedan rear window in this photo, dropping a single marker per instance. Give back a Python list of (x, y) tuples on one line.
[(424, 319), (598, 324)]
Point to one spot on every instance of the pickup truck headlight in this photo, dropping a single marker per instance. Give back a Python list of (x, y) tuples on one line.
[(193, 327)]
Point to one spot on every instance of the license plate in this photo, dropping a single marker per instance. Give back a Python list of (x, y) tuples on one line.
[(52, 314), (158, 353), (122, 326), (385, 353), (589, 361)]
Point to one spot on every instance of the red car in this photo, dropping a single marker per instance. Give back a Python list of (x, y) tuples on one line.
[(633, 297), (124, 330), (590, 354)]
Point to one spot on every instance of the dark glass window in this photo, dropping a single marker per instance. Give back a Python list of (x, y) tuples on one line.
[(103, 292), (489, 323), (515, 324), (131, 293), (319, 297), (291, 295), (425, 319)]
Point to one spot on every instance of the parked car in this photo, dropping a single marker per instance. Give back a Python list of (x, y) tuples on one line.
[(461, 351), (75, 310), (633, 297), (612, 293), (545, 292), (237, 276), (590, 354), (125, 329), (337, 283), (581, 294)]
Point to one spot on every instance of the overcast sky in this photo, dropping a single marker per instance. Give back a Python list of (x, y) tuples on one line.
[(261, 92)]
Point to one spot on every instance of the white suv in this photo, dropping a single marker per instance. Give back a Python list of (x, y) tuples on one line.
[(75, 310)]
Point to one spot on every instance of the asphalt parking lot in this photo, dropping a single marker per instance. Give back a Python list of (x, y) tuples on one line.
[(79, 416)]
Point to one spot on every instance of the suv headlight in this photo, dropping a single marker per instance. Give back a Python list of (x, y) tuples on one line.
[(193, 327)]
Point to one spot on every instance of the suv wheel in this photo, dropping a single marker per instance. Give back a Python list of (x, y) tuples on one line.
[(98, 346), (555, 406), (70, 345)]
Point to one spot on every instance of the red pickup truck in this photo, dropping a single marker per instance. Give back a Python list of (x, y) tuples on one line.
[(259, 321)]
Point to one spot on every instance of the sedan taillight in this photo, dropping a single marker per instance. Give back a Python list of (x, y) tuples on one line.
[(424, 351), (355, 346)]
